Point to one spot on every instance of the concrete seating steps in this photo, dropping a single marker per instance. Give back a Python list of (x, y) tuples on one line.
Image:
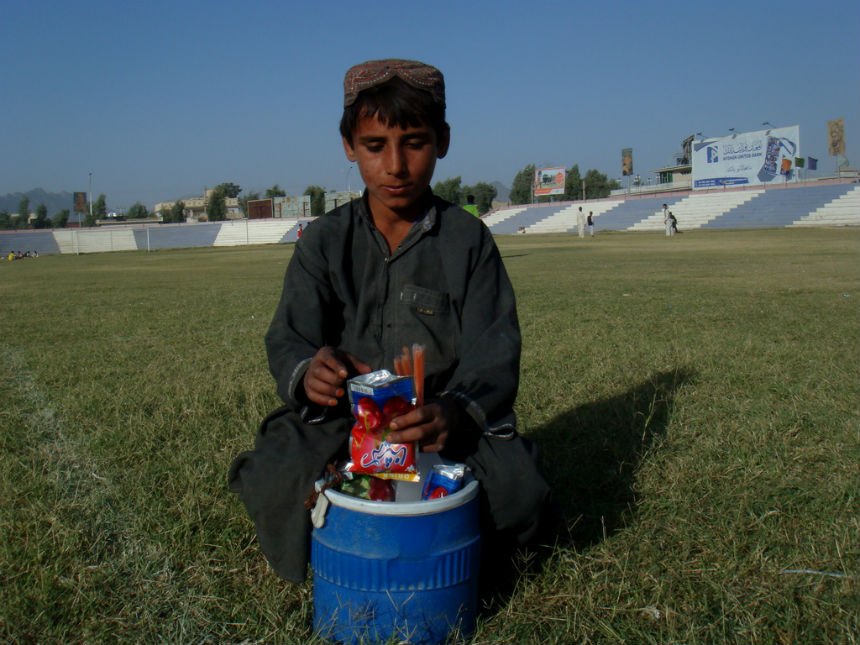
[(567, 219), (525, 218), (696, 211), (41, 241), (836, 204), (237, 233), (501, 215), (842, 211)]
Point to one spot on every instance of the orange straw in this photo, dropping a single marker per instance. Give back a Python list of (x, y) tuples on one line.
[(407, 362), (418, 376)]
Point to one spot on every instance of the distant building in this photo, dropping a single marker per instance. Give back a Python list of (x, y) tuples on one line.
[(678, 176), (339, 198), (294, 207), (195, 207)]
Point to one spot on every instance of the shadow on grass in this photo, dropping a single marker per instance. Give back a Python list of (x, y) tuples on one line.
[(591, 455)]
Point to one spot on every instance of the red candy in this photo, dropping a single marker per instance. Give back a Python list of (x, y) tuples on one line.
[(381, 490), (368, 414), (395, 407)]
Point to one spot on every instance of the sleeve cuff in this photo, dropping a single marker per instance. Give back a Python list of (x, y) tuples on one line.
[(504, 429), (309, 412)]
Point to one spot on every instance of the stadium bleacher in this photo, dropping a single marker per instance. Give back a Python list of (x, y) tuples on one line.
[(826, 204), (784, 207), (42, 242), (809, 204)]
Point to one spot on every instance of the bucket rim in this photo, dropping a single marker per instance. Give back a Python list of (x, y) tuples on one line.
[(403, 509)]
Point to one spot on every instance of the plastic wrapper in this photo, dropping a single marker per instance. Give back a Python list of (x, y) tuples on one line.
[(368, 487), (443, 480), (376, 399)]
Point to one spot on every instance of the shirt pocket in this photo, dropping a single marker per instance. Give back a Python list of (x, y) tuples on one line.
[(425, 301)]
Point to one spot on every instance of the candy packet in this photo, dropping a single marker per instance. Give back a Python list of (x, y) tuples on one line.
[(443, 480), (368, 487), (377, 398)]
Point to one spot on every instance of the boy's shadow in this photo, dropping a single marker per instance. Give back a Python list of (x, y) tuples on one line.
[(590, 457)]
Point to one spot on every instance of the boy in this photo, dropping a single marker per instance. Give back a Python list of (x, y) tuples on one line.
[(396, 267)]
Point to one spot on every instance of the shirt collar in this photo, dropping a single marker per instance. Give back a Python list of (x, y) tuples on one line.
[(425, 224)]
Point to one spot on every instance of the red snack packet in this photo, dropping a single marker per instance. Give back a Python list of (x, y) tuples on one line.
[(376, 399)]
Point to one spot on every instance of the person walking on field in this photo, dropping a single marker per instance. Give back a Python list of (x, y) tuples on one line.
[(580, 222), (666, 221), (590, 223)]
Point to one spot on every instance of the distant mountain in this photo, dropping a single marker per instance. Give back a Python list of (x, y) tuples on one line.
[(55, 202), (503, 193)]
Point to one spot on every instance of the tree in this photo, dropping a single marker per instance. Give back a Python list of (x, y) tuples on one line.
[(216, 208), (596, 184), (5, 221), (175, 214), (243, 201), (483, 193), (275, 191), (41, 220), (137, 211), (229, 189), (522, 186), (573, 184), (449, 190), (23, 213), (99, 208), (317, 195), (61, 218)]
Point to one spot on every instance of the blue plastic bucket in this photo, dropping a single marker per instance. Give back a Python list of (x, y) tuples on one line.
[(397, 571)]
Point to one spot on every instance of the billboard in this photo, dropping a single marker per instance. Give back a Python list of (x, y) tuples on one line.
[(549, 181), (745, 159), (836, 137), (627, 161), (80, 201)]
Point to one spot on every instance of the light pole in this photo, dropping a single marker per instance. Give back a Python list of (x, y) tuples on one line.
[(91, 195)]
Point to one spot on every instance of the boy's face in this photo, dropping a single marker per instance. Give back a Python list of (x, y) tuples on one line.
[(396, 164)]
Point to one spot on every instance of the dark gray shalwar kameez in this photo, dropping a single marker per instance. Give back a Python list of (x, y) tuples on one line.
[(444, 287)]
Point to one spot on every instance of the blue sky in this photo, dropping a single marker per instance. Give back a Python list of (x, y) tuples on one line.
[(159, 100)]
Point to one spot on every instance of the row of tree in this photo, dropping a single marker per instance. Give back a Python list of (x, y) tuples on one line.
[(593, 185), (61, 219), (451, 190)]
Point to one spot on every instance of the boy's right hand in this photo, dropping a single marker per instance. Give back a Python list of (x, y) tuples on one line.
[(327, 373)]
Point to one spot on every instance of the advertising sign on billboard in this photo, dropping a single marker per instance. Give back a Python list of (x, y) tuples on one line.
[(80, 201), (549, 181), (627, 161), (836, 137), (745, 159)]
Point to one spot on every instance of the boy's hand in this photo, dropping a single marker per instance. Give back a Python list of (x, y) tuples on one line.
[(327, 373), (429, 425)]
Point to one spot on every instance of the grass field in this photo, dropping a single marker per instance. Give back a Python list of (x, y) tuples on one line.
[(696, 399)]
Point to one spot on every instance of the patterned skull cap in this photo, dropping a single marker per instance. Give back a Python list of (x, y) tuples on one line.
[(376, 72)]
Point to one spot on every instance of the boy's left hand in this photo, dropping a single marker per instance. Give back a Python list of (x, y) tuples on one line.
[(429, 425)]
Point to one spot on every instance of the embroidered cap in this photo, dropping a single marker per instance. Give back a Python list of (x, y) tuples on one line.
[(375, 72)]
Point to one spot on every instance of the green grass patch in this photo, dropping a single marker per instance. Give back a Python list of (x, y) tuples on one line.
[(696, 399)]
